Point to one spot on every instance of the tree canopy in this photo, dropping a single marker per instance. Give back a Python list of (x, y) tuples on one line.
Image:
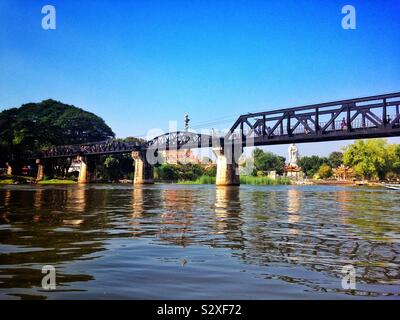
[(373, 158), (311, 165), (36, 126), (268, 161)]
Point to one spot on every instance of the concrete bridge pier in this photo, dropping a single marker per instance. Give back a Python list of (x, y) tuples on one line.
[(9, 168), (40, 170), (227, 165), (143, 169), (87, 172)]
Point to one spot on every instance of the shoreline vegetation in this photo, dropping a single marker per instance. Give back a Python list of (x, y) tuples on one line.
[(17, 180), (56, 181), (202, 180), (250, 180)]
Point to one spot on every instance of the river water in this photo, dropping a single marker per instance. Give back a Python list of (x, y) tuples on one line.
[(199, 242)]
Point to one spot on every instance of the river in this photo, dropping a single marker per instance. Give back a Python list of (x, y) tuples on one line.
[(199, 242)]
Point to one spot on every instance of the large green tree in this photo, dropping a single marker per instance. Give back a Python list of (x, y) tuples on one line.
[(335, 159), (36, 126), (370, 159), (268, 161), (394, 155)]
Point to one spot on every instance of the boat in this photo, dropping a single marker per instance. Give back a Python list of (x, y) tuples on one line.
[(392, 186)]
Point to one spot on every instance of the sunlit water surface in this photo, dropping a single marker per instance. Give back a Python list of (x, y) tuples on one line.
[(195, 242)]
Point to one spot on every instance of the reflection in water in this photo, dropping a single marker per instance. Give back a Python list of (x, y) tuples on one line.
[(227, 208), (227, 218), (293, 210), (240, 241), (177, 218)]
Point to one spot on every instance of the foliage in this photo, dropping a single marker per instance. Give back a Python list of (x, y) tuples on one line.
[(36, 126), (7, 181), (372, 159), (267, 161), (177, 172), (335, 159), (324, 171), (118, 166), (201, 180), (263, 180), (210, 171), (260, 174), (394, 155), (56, 181), (311, 165)]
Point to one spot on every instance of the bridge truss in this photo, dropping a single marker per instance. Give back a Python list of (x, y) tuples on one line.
[(181, 140), (94, 148), (369, 117)]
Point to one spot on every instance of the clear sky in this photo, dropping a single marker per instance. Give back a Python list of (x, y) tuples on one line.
[(140, 64)]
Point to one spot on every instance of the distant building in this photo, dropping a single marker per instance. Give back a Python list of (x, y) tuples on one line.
[(343, 173)]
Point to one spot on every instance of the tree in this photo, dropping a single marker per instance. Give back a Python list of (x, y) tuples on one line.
[(176, 172), (335, 159), (324, 171), (267, 161), (119, 166), (37, 126), (394, 155), (370, 159), (310, 165)]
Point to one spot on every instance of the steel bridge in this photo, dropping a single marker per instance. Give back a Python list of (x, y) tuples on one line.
[(367, 117)]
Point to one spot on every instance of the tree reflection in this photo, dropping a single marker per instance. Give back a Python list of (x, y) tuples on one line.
[(309, 229), (48, 227)]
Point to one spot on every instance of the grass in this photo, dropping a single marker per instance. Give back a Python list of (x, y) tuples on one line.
[(27, 180), (56, 181), (263, 180), (7, 181), (200, 180), (243, 180)]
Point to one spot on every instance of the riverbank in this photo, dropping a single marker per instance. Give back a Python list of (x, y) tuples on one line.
[(244, 180), (7, 180), (359, 183), (56, 181)]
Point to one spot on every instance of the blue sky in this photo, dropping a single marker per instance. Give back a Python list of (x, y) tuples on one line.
[(140, 64)]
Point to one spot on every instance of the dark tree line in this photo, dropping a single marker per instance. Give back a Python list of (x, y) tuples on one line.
[(38, 126)]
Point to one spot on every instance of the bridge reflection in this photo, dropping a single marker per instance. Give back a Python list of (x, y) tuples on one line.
[(262, 227)]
